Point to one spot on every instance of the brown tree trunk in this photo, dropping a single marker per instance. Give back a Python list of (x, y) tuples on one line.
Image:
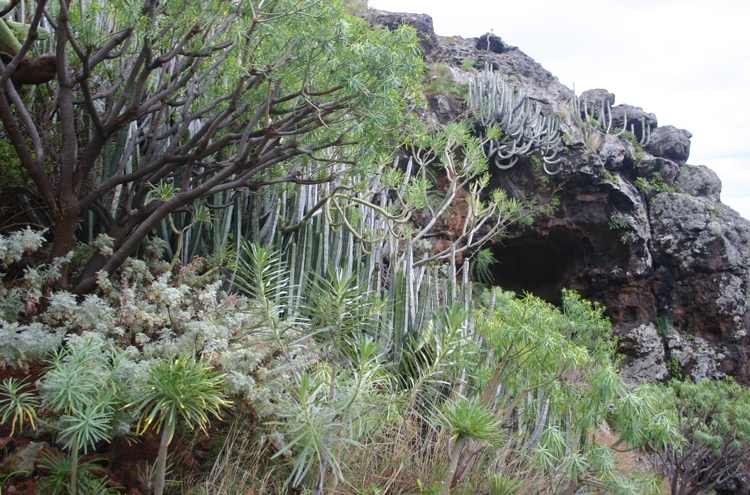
[(64, 238)]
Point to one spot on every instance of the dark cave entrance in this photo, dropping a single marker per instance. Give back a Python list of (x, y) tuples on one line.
[(540, 264)]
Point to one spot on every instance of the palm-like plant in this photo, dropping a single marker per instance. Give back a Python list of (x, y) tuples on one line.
[(18, 404), (468, 420), (186, 388)]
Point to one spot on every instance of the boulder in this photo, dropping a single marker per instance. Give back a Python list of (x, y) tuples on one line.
[(670, 142), (644, 351), (595, 97), (491, 43), (636, 117), (422, 23), (667, 169), (22, 460), (699, 181), (38, 430)]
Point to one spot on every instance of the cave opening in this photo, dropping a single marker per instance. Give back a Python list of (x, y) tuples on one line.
[(539, 264)]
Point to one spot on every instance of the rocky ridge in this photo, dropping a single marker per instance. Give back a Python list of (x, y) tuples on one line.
[(682, 261)]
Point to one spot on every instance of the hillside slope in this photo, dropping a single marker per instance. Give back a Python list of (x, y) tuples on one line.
[(638, 229)]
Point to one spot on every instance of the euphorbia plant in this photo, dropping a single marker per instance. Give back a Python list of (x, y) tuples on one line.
[(81, 387), (184, 387), (18, 404)]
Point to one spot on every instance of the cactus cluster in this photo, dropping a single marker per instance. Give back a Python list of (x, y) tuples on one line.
[(525, 129), (598, 120)]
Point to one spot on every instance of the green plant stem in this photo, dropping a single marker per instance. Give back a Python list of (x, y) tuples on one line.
[(74, 469), (161, 460), (456, 455)]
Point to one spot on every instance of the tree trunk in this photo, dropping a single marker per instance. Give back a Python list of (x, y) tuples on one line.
[(74, 469), (98, 260), (64, 238)]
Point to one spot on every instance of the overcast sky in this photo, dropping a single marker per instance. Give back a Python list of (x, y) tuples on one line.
[(686, 61)]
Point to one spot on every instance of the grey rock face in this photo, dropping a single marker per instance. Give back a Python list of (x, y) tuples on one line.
[(698, 234), (670, 142), (422, 23), (706, 246), (697, 358), (667, 169), (699, 181), (645, 351)]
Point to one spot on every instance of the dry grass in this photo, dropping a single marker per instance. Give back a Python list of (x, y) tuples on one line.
[(594, 140), (410, 456), (404, 458), (243, 467), (630, 462)]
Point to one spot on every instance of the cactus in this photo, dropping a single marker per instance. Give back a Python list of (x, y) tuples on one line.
[(524, 129), (600, 122)]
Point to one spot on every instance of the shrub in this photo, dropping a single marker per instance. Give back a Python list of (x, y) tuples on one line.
[(715, 434)]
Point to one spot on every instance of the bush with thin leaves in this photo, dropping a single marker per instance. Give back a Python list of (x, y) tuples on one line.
[(467, 420), (62, 471), (84, 387), (715, 430)]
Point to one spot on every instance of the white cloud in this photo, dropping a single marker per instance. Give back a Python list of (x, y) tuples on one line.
[(687, 61)]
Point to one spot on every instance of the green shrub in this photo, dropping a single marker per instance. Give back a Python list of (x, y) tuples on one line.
[(675, 368), (439, 80), (714, 431), (663, 323)]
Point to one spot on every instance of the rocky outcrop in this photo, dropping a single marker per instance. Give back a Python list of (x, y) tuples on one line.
[(645, 350), (630, 225), (670, 142), (421, 23)]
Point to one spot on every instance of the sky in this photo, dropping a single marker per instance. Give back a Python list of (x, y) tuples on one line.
[(686, 61)]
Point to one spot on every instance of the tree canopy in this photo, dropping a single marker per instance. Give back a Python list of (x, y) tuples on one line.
[(155, 107)]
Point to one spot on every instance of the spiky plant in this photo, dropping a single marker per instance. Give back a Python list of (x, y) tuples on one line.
[(186, 388), (19, 404), (468, 420)]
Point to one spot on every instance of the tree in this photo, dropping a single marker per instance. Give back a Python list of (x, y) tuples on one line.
[(713, 421), (157, 106)]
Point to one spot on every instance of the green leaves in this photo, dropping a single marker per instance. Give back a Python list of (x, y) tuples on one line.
[(467, 418), (710, 429), (17, 403), (184, 387), (340, 309), (79, 376), (89, 425)]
